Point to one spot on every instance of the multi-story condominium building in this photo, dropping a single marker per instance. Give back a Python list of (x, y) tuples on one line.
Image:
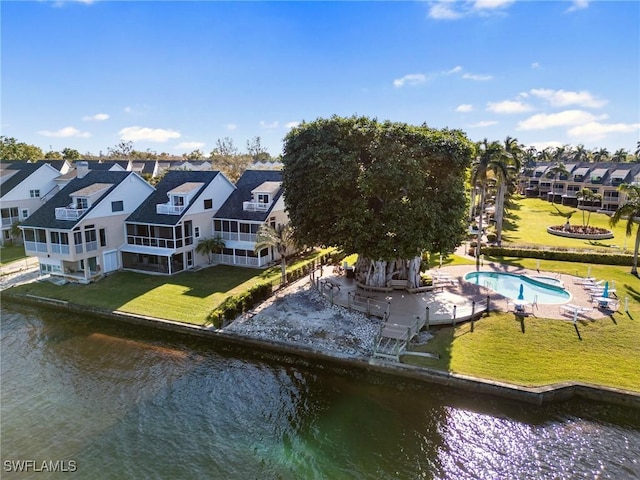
[(24, 188), (602, 179), (257, 200), (163, 232), (77, 234)]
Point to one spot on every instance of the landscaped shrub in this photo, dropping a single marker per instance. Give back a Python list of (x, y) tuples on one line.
[(560, 255)]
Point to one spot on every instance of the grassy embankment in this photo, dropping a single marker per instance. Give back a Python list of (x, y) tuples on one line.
[(186, 297), (540, 351), (11, 253)]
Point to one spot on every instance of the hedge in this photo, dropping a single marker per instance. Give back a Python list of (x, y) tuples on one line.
[(560, 255)]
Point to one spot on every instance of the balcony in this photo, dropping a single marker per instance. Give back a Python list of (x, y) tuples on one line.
[(69, 213), (255, 206), (236, 236), (38, 247), (8, 221), (168, 209), (60, 248)]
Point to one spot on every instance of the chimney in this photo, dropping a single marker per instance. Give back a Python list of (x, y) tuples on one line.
[(82, 168)]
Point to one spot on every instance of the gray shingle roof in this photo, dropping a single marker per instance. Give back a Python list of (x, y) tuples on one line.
[(146, 212), (23, 171), (45, 216), (249, 180)]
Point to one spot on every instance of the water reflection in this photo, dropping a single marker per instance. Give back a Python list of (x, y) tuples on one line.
[(125, 402)]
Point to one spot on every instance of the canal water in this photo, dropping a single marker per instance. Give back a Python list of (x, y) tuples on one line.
[(111, 401)]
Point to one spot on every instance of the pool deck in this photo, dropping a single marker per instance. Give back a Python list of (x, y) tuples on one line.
[(406, 306)]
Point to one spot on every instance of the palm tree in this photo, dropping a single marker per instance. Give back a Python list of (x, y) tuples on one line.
[(620, 155), (209, 245), (637, 152), (601, 155), (281, 238), (580, 153), (555, 171), (587, 195), (631, 211), (505, 168), (481, 166)]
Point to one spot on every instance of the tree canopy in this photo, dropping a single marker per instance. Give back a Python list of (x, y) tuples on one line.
[(383, 190)]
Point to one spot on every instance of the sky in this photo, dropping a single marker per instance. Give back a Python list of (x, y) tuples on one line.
[(177, 76)]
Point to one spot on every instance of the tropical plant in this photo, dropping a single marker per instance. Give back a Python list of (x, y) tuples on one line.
[(15, 232), (281, 238), (630, 210), (207, 246), (601, 155), (488, 158), (587, 195), (580, 154), (619, 156), (556, 170)]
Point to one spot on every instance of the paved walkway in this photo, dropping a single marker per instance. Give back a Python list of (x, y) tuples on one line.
[(21, 271)]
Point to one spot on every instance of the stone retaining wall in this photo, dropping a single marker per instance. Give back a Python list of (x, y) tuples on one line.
[(309, 357)]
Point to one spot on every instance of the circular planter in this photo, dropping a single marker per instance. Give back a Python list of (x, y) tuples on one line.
[(594, 233)]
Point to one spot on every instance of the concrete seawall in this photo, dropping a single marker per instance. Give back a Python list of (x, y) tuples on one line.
[(310, 356)]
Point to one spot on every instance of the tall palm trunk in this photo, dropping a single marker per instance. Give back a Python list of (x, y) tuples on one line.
[(482, 195), (500, 210)]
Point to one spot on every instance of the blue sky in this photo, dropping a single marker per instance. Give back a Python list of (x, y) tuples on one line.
[(176, 76)]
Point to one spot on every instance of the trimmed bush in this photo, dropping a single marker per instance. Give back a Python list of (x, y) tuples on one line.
[(561, 255)]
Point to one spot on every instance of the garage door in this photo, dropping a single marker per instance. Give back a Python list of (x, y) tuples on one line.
[(110, 261)]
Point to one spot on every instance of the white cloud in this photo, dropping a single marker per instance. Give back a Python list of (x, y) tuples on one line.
[(271, 125), (481, 78), (508, 106), (136, 133), (231, 127), (410, 79), (292, 124), (190, 145), (65, 133), (578, 5), (491, 4), (535, 65), (455, 69), (465, 107), (596, 131), (453, 10), (442, 11), (128, 110), (563, 98), (98, 117), (483, 123), (561, 119)]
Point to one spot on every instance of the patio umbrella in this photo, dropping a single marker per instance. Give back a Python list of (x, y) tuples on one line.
[(605, 294), (521, 294)]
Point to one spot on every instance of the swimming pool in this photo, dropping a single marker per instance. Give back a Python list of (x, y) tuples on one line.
[(508, 285)]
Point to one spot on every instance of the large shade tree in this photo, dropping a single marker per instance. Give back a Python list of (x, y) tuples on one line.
[(387, 191)]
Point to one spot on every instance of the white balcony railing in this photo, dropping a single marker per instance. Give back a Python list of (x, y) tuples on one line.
[(66, 213), (168, 209), (60, 248), (8, 221), (236, 236), (91, 246), (35, 247), (238, 260), (255, 206)]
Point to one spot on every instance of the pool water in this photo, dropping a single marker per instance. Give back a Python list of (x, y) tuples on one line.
[(541, 291)]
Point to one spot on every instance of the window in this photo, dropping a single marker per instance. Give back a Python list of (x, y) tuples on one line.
[(117, 206), (196, 232), (263, 198), (81, 203), (24, 213), (103, 237), (34, 193), (208, 204)]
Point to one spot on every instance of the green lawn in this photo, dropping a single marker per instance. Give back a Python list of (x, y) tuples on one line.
[(542, 351), (11, 254), (185, 297), (527, 222)]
